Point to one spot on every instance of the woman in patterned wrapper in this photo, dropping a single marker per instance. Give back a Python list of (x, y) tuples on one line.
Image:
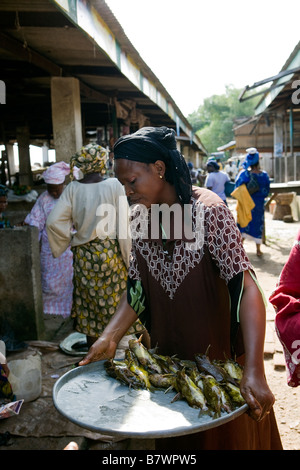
[(56, 273), (100, 259), (196, 288)]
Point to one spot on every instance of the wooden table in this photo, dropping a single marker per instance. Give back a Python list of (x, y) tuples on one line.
[(291, 186), (278, 188)]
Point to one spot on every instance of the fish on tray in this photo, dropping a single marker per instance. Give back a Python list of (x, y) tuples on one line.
[(212, 386)]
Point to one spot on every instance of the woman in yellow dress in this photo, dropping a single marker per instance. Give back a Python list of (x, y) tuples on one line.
[(100, 257)]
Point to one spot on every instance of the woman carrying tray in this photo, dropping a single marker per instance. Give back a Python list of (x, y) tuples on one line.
[(191, 284)]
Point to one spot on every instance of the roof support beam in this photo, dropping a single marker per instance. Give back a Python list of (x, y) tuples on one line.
[(267, 80), (25, 53), (95, 95)]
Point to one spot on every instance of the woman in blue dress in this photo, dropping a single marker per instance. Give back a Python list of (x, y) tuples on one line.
[(260, 185)]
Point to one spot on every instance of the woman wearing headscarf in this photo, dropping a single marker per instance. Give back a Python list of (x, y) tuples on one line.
[(258, 185), (192, 288), (56, 273), (86, 218)]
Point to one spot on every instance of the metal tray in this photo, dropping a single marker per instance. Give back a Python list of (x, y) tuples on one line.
[(88, 397)]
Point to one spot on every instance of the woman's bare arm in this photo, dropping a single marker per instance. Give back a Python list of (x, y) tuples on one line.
[(254, 387)]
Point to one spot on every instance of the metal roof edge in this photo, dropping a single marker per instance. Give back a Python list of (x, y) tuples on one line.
[(293, 62)]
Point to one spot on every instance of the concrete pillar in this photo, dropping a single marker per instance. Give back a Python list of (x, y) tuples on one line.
[(3, 176), (25, 174), (66, 116), (21, 302), (45, 155), (11, 158)]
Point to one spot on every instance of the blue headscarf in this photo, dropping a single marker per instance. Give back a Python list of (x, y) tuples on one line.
[(252, 158)]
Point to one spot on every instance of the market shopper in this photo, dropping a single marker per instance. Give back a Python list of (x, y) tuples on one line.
[(100, 258), (3, 360), (216, 179), (285, 300), (6, 391), (258, 185), (4, 221), (56, 273), (231, 169), (193, 289), (193, 173)]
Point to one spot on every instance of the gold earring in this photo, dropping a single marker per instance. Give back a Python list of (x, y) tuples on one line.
[(160, 176)]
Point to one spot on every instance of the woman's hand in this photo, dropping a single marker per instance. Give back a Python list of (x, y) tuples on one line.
[(254, 387), (102, 349), (106, 345), (257, 395)]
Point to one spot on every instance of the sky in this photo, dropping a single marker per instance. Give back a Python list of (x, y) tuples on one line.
[(196, 48)]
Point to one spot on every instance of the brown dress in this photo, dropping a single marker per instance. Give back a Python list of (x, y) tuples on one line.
[(186, 303)]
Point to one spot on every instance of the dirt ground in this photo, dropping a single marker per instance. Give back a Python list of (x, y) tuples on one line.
[(279, 239)]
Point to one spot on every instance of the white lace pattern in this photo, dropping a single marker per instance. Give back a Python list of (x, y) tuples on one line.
[(220, 235)]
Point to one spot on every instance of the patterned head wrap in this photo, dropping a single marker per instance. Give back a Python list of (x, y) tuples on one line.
[(56, 173), (91, 158), (252, 157), (3, 190), (150, 144)]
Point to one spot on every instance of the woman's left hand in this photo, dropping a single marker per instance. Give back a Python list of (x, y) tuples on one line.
[(254, 387), (257, 395)]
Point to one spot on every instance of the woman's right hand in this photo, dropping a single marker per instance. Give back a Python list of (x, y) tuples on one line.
[(102, 349), (106, 345)]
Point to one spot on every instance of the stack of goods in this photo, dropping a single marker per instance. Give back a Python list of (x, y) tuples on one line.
[(283, 208)]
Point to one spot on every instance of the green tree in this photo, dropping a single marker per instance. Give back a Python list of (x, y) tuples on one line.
[(214, 120)]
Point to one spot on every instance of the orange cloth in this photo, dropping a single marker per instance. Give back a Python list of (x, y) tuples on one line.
[(244, 206)]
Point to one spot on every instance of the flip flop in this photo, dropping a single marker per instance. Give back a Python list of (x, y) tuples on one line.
[(75, 344)]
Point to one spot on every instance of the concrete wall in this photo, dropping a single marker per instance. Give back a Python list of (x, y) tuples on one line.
[(21, 303)]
